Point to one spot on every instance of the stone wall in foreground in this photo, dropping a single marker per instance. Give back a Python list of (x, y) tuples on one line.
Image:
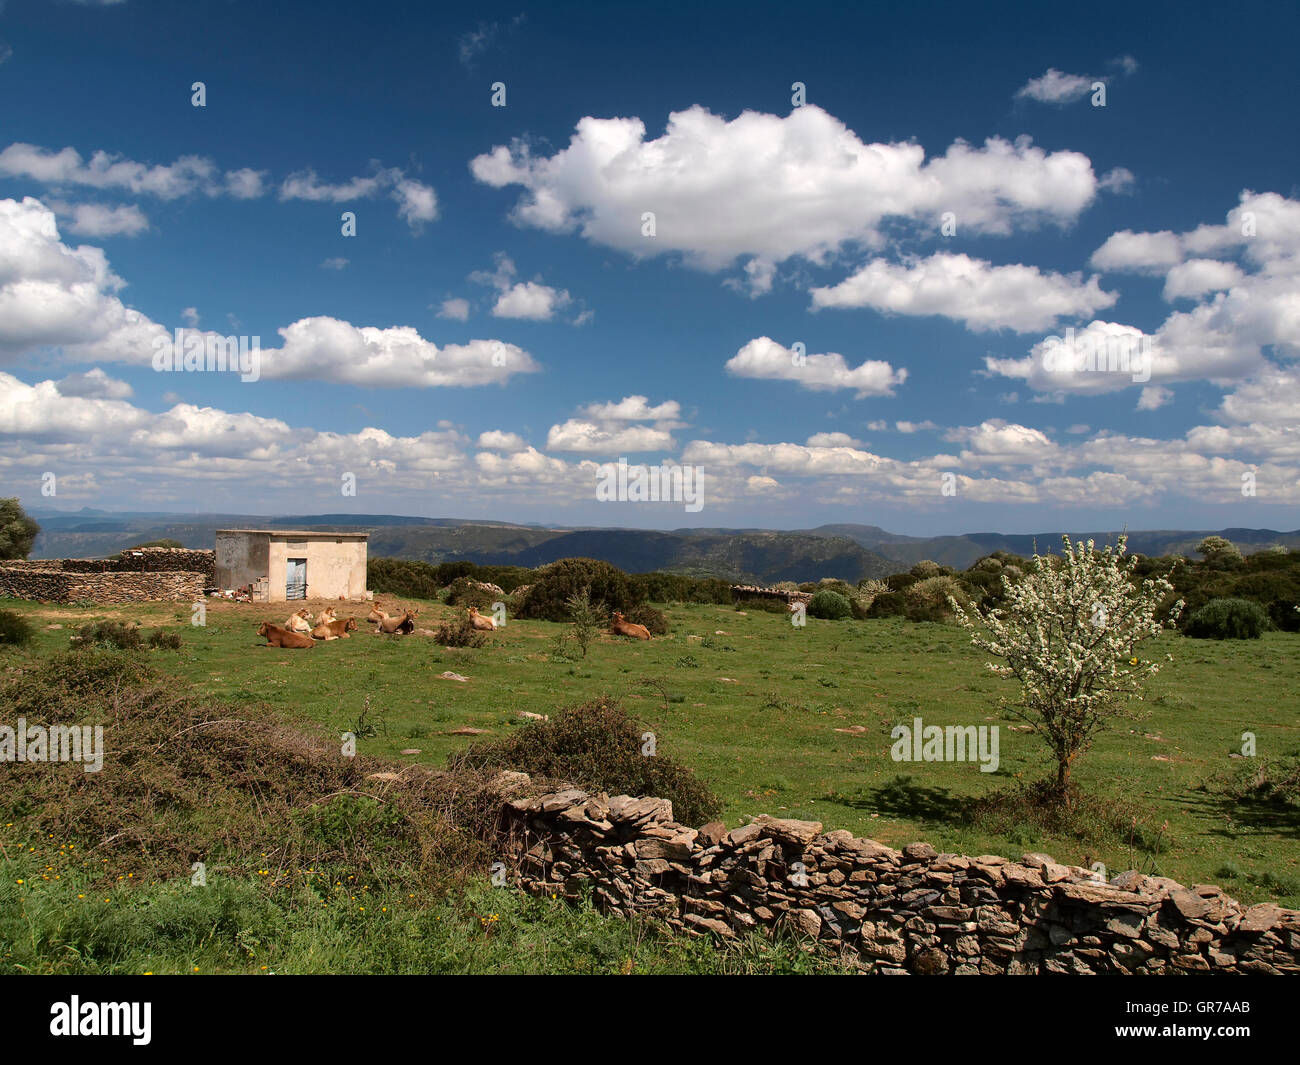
[(892, 912)]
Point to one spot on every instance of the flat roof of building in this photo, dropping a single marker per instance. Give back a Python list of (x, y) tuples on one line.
[(299, 534)]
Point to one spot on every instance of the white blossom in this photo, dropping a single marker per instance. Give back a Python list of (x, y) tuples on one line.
[(1069, 633)]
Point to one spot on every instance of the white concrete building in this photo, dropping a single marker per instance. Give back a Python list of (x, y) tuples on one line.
[(285, 564)]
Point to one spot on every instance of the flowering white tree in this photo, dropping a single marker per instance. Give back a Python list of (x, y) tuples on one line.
[(1068, 632)]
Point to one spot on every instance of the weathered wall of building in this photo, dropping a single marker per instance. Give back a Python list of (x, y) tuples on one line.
[(335, 568), (241, 557)]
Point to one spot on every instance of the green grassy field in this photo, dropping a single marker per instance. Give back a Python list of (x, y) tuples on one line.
[(756, 706)]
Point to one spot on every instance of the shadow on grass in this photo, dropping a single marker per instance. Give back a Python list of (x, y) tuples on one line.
[(1228, 817), (905, 799)]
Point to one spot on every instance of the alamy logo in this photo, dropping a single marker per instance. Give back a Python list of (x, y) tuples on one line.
[(193, 352), (57, 743), (1128, 353), (651, 484), (955, 743), (102, 1018)]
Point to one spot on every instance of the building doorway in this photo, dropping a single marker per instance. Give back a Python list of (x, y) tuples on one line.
[(295, 583)]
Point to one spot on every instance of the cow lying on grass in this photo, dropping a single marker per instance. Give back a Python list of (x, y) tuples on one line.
[(279, 637), (299, 622), (376, 615), (334, 630), (480, 622), (403, 626), (622, 627)]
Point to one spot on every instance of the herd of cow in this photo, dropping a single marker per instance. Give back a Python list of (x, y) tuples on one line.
[(301, 630)]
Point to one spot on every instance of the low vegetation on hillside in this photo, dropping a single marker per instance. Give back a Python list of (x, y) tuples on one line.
[(1269, 578), (222, 838)]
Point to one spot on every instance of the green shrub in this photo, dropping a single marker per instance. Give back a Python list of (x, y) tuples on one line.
[(15, 630), (109, 634), (1272, 781), (595, 745), (887, 605), (467, 592), (766, 603), (460, 633), (924, 569), (586, 617), (900, 582), (829, 605), (17, 531), (927, 600), (1228, 619), (1266, 586), (834, 584), (655, 621), (548, 598), (63, 682), (1220, 553), (678, 588), (168, 641), (403, 577)]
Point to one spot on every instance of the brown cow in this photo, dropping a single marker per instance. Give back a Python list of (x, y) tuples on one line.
[(621, 627), (404, 626), (278, 637), (480, 622), (334, 630)]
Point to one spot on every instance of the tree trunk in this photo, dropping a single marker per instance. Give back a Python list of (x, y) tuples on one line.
[(1063, 778)]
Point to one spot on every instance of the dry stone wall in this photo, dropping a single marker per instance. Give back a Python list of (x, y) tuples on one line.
[(890, 911), (153, 573), (751, 591), (45, 585)]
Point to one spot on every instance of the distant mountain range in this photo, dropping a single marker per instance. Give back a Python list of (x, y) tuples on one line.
[(850, 552)]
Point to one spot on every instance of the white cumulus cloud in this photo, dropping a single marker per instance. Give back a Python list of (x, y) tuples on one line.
[(765, 359)]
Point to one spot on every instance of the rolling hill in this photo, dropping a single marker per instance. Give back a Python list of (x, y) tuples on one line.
[(847, 551)]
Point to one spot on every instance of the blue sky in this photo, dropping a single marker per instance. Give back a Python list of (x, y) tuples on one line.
[(501, 325)]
